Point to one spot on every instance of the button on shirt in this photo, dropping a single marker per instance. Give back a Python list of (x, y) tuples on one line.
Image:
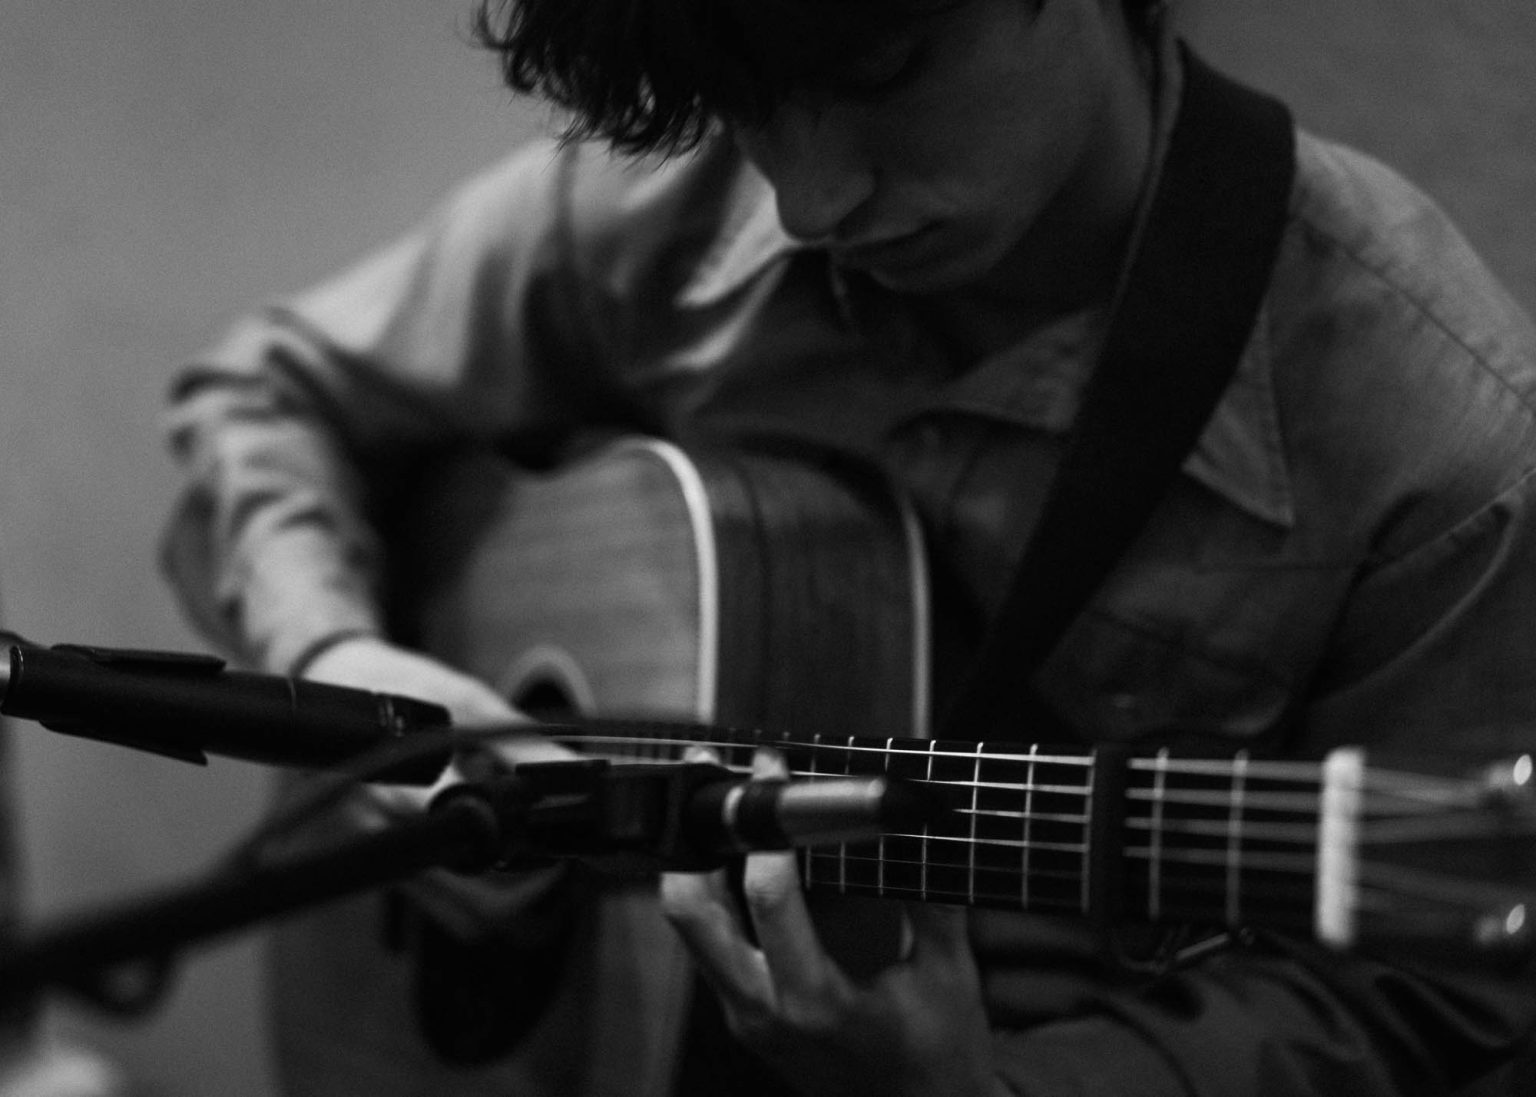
[(1349, 555)]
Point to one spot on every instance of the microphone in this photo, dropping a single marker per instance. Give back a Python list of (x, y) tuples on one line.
[(696, 815), (740, 815), (187, 706)]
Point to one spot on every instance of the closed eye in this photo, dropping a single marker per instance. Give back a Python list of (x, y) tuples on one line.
[(884, 68)]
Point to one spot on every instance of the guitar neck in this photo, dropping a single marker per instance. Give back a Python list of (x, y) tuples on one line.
[(1096, 833)]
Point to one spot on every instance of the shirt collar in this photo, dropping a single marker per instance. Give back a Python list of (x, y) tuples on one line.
[(1240, 455)]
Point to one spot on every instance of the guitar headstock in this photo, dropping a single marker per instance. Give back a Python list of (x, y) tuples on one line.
[(1446, 864)]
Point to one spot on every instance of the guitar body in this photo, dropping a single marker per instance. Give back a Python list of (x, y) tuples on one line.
[(742, 588), (736, 588)]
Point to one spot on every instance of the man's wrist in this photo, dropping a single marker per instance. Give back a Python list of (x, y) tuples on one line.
[(307, 656)]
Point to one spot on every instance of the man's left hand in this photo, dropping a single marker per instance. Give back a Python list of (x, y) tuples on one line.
[(917, 1028)]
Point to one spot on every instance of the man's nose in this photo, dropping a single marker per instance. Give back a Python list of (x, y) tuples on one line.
[(813, 157)]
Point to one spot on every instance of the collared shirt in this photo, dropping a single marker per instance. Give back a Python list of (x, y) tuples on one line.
[(1350, 555)]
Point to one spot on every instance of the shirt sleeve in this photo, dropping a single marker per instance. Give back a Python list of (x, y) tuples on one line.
[(298, 422)]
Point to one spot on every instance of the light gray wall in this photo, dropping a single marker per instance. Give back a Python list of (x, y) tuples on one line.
[(1444, 90), (163, 163)]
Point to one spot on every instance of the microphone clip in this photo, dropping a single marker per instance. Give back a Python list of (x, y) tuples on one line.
[(624, 818), (688, 816)]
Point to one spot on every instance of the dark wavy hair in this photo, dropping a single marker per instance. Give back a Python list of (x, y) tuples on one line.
[(651, 76)]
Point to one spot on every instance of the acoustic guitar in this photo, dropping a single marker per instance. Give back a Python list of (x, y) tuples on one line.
[(787, 597)]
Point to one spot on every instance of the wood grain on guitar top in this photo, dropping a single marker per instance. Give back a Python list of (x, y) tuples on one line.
[(740, 588)]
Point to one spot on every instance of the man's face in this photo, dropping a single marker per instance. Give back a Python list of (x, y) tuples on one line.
[(929, 159)]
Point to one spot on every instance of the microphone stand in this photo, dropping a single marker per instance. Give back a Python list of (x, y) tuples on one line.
[(686, 817), (468, 831)]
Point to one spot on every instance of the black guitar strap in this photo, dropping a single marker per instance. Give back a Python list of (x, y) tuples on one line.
[(1188, 305)]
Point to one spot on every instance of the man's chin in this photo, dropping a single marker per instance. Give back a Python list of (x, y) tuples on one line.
[(928, 279), (941, 266)]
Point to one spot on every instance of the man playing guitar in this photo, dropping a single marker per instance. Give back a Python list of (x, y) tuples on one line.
[(906, 231)]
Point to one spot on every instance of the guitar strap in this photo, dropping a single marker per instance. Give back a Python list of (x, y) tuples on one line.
[(1186, 309)]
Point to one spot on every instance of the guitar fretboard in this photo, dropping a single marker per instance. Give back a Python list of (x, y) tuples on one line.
[(1048, 829)]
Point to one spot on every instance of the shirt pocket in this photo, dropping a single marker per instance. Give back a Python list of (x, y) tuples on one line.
[(1117, 680)]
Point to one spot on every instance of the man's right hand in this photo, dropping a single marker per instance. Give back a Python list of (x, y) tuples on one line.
[(484, 945), (371, 663)]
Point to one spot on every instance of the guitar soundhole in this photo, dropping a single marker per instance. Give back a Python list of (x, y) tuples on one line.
[(549, 684), (546, 699)]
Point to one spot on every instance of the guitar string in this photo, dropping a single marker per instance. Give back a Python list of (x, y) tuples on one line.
[(1299, 803), (1411, 788), (1297, 863), (1422, 883), (1301, 833), (1069, 900), (1384, 795), (1419, 900), (1378, 885), (1382, 881)]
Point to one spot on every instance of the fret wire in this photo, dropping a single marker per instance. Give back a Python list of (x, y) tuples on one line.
[(880, 868), (843, 860), (1088, 835), (1234, 839), (812, 774), (975, 794), (923, 872), (1154, 871), (1029, 819)]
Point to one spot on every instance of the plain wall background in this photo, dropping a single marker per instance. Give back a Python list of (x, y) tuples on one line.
[(165, 163)]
